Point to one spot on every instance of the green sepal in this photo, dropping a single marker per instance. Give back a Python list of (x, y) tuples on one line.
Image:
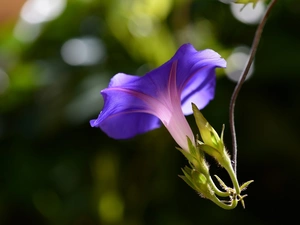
[(208, 134), (186, 180), (192, 148), (222, 133), (202, 184), (198, 181), (191, 158), (196, 157), (245, 185), (198, 177), (187, 177), (213, 152)]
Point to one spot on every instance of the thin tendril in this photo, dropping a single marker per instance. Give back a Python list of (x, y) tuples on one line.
[(235, 93)]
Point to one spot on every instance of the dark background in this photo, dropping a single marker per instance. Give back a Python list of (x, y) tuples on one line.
[(55, 169)]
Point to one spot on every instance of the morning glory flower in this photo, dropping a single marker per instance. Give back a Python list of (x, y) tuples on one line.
[(134, 105)]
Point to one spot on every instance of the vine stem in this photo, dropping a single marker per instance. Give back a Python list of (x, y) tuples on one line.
[(238, 86)]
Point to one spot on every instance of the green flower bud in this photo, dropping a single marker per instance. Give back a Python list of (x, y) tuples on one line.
[(208, 134), (198, 181)]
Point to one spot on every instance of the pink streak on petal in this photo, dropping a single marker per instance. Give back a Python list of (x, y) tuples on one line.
[(175, 121), (167, 107)]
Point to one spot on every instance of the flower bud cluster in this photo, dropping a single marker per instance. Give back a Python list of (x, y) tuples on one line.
[(198, 176)]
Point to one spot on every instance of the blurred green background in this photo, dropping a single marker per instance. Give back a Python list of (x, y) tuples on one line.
[(56, 56)]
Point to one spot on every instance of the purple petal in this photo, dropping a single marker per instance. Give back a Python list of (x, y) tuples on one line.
[(126, 125), (195, 79), (200, 89), (124, 115), (134, 105)]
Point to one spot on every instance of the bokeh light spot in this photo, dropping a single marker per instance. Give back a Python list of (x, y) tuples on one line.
[(83, 51), (26, 32), (248, 14), (236, 63), (141, 25), (111, 207), (39, 11), (87, 104)]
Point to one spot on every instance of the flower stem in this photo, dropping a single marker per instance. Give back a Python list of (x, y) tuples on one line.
[(233, 177), (216, 190), (223, 205), (235, 93)]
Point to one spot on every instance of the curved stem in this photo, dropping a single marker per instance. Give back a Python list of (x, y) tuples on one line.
[(217, 201), (228, 167), (233, 177), (241, 81), (217, 190)]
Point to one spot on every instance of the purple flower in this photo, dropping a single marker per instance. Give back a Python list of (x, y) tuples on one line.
[(135, 105)]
